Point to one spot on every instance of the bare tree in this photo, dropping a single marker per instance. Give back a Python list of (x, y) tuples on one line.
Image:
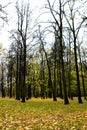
[(2, 80), (75, 31), (59, 24), (23, 13), (10, 66), (3, 13), (50, 83), (82, 70)]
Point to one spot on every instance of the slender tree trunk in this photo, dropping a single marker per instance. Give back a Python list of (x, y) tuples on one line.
[(2, 82), (42, 76), (34, 91), (77, 71), (55, 66), (10, 84), (84, 90), (29, 91), (20, 71), (69, 69), (66, 101), (69, 81), (24, 74), (60, 85), (17, 79), (49, 70), (49, 83)]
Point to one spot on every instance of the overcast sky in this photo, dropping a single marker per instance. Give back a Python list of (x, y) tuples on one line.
[(35, 5)]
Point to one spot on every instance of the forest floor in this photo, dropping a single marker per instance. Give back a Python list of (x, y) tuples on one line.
[(38, 114)]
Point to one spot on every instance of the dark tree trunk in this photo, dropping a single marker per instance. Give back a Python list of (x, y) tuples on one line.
[(50, 88), (3, 89), (23, 13), (77, 71), (2, 82), (54, 91), (8, 85), (29, 91), (24, 73), (24, 69), (84, 90), (34, 91), (55, 66), (49, 81), (49, 69), (17, 79), (42, 74), (10, 93), (42, 91), (20, 71), (66, 101), (60, 85), (69, 69), (69, 87), (22, 80)]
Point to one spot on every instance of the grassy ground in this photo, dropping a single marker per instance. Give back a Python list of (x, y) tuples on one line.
[(37, 114)]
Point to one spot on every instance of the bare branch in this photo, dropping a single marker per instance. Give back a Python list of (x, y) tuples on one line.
[(53, 13)]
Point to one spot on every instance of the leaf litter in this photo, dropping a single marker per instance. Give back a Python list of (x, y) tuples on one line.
[(38, 116)]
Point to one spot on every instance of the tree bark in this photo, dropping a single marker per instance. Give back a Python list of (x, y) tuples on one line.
[(77, 71), (84, 90), (66, 101)]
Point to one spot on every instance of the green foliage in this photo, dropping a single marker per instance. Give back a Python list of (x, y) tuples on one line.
[(42, 115)]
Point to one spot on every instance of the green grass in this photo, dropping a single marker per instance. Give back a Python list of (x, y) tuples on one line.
[(37, 114)]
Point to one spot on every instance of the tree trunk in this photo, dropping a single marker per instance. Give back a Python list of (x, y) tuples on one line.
[(54, 91), (52, 88), (84, 90), (42, 75), (49, 69), (20, 71), (60, 85), (24, 70), (10, 85), (29, 91), (17, 79), (69, 67), (2, 83), (77, 71), (66, 101)]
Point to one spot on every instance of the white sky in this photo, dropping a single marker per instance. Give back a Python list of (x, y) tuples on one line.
[(4, 37), (35, 5)]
